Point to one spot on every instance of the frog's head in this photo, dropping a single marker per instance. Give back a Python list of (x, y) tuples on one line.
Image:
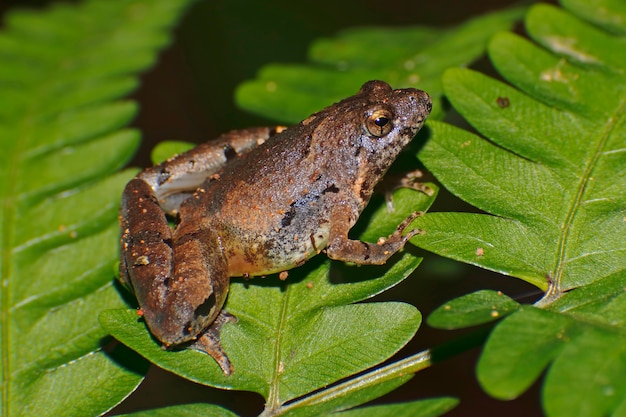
[(388, 120), (356, 140)]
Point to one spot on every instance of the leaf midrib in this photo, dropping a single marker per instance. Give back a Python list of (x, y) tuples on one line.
[(554, 289), (273, 398), (8, 218)]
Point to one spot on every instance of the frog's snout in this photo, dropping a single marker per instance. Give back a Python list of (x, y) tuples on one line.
[(427, 102), (415, 105), (422, 100)]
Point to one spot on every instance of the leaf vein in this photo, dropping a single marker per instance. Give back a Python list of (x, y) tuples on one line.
[(554, 289)]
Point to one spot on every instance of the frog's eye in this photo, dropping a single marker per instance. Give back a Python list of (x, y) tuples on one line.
[(379, 123)]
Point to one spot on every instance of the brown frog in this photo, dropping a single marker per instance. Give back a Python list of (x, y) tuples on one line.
[(256, 202)]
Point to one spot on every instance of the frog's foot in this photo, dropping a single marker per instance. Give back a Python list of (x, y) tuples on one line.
[(396, 239), (409, 180), (365, 253), (209, 342)]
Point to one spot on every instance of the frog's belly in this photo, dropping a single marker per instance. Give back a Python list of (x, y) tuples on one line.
[(279, 251)]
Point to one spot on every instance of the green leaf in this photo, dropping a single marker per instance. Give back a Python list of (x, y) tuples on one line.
[(594, 312), (472, 309), (300, 335), (404, 57), (490, 242), (520, 348), (63, 74), (186, 410), (423, 408), (600, 376), (562, 205), (609, 14), (548, 174), (586, 377), (167, 149)]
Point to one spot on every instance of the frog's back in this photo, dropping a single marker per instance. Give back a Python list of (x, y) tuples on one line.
[(275, 207)]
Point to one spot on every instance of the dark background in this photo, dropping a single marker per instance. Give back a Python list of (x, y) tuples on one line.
[(189, 96)]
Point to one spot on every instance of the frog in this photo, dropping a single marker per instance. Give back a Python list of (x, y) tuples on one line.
[(259, 201)]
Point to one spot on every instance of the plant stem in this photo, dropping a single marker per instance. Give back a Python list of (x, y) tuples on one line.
[(410, 365)]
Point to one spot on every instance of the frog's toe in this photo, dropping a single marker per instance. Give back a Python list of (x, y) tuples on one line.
[(209, 342)]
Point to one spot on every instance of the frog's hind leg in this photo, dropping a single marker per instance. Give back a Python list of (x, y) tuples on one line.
[(145, 243), (180, 280), (174, 180)]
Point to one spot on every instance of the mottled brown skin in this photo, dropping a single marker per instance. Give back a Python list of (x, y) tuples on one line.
[(256, 202)]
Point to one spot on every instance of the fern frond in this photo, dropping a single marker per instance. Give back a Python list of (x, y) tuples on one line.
[(63, 76), (549, 173)]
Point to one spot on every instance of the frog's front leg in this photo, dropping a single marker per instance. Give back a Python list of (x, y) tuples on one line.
[(341, 248)]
